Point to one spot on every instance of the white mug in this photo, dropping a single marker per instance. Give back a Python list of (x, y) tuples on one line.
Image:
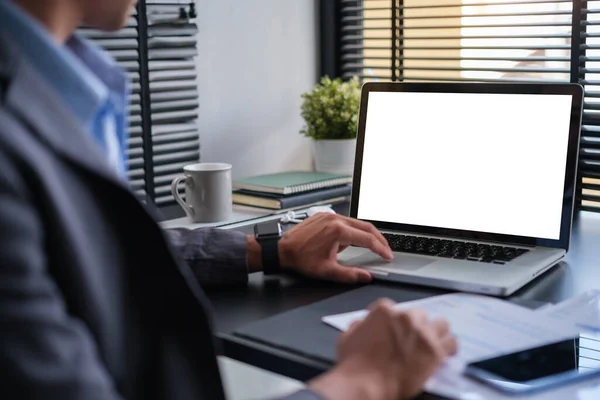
[(207, 192)]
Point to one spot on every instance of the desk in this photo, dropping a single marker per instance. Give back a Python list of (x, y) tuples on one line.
[(245, 382), (265, 297)]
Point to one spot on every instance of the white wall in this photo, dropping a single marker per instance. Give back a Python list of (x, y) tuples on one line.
[(256, 57)]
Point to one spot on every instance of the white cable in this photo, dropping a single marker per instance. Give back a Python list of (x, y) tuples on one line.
[(291, 217)]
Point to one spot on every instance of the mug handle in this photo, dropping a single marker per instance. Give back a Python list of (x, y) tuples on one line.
[(189, 210)]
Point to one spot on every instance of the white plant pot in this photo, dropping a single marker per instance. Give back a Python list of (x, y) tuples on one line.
[(335, 156)]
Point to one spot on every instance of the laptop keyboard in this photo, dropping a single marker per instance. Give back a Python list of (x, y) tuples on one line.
[(453, 249)]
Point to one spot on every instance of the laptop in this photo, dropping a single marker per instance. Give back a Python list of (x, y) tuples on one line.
[(472, 184)]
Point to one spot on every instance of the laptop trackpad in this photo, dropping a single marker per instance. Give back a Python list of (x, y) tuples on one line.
[(365, 258)]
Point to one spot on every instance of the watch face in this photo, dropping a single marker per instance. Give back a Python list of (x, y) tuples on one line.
[(268, 229)]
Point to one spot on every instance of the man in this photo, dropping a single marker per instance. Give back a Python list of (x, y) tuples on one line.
[(93, 304)]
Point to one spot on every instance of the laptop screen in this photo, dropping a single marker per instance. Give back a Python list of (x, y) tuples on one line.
[(480, 162)]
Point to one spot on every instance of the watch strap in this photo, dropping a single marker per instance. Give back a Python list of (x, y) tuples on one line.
[(270, 254)]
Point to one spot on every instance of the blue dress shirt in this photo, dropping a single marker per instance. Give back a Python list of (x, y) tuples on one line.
[(90, 83)]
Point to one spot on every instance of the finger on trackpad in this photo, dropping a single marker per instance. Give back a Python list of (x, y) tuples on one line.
[(357, 256), (366, 258)]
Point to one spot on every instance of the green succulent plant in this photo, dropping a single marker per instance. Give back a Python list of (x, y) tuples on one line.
[(330, 109)]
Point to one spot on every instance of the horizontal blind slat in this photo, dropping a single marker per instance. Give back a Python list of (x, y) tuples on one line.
[(174, 95)]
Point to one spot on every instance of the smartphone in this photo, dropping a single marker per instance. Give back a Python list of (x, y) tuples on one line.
[(541, 367)]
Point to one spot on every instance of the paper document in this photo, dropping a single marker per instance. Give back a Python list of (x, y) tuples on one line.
[(583, 310), (485, 327)]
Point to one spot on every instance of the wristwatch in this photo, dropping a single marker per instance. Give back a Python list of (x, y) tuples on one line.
[(268, 235)]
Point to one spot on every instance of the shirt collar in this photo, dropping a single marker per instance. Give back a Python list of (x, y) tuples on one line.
[(83, 75)]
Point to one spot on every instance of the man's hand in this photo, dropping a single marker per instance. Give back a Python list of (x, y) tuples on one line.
[(388, 356), (311, 247)]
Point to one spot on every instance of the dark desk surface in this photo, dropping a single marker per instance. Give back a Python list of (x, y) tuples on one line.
[(265, 297)]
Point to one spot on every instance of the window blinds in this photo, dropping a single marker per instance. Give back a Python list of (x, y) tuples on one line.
[(158, 49), (483, 40), (588, 72)]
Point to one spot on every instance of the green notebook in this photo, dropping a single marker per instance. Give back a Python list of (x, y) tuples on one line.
[(291, 182)]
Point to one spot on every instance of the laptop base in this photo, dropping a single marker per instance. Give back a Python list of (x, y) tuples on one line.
[(460, 275)]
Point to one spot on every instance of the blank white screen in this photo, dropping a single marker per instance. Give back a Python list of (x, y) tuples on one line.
[(479, 162)]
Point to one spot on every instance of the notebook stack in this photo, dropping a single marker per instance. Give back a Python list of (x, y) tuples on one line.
[(290, 190)]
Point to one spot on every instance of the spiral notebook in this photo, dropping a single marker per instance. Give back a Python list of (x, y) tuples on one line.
[(286, 183)]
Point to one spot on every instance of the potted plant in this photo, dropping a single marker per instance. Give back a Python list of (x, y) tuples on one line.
[(330, 111)]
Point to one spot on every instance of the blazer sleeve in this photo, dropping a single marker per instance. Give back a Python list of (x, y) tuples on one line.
[(44, 351), (218, 257)]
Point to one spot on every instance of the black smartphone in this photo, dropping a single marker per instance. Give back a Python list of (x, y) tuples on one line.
[(541, 367)]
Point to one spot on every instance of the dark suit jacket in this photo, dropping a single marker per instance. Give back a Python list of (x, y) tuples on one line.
[(93, 303)]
